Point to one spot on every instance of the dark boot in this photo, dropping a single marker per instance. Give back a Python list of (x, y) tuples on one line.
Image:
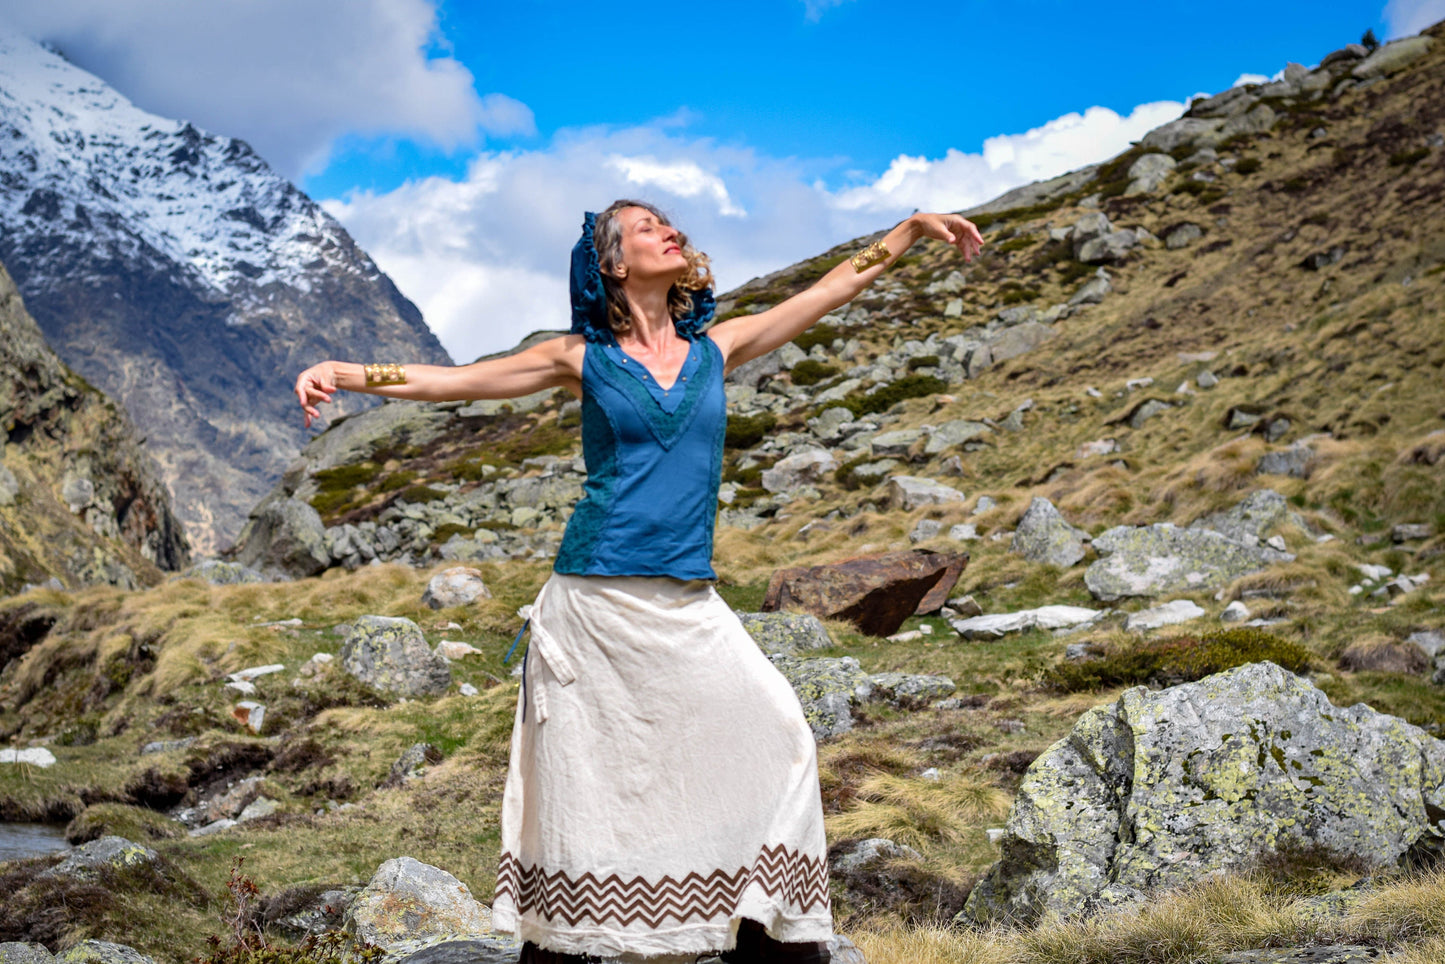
[(756, 947), (532, 954)]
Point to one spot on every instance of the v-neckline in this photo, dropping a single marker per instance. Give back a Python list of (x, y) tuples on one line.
[(653, 375)]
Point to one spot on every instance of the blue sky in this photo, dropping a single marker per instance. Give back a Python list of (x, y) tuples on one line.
[(460, 142)]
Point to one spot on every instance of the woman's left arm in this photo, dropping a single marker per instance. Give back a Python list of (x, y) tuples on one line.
[(745, 338)]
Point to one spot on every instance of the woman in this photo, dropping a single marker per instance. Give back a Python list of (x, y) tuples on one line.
[(662, 799)]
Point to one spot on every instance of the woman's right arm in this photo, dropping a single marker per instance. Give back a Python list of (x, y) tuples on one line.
[(555, 363)]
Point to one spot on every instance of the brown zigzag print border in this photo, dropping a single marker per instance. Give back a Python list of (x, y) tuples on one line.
[(789, 875)]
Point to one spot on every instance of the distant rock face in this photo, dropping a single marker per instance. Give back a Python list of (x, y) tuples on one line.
[(390, 654), (82, 502), (1161, 788), (178, 272)]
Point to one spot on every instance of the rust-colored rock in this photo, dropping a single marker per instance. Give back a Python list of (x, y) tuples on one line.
[(875, 593)]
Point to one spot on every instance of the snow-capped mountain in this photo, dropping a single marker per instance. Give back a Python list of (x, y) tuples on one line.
[(177, 271)]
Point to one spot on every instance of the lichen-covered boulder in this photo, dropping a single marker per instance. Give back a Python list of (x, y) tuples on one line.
[(1160, 788), (391, 655), (909, 492), (1250, 519), (103, 952), (1164, 559), (827, 688), (407, 899), (494, 949), (111, 852), (1043, 536), (786, 632), (16, 952), (902, 689)]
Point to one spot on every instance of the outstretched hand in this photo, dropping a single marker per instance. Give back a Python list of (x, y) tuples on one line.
[(952, 229), (313, 386)]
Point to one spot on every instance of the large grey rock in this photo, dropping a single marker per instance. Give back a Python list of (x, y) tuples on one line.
[(809, 465), (1249, 520), (1148, 172), (1089, 226), (1108, 248), (1182, 235), (407, 899), (954, 433), (1392, 57), (103, 952), (285, 537), (391, 655), (827, 688), (16, 952), (1164, 559), (781, 632), (494, 949), (903, 689), (1295, 461), (1044, 537), (1161, 788), (457, 586), (895, 444), (1044, 617), (908, 492), (1235, 100), (110, 852), (1186, 130), (1093, 291), (1018, 340), (1259, 118), (869, 854)]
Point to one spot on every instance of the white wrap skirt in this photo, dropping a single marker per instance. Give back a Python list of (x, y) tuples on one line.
[(663, 783)]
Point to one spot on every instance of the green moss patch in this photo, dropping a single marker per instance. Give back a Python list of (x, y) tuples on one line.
[(1181, 659)]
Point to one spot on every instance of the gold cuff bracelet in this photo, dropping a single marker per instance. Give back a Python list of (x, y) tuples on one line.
[(388, 374), (869, 256)]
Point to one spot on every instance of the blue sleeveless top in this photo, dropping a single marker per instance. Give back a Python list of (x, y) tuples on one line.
[(654, 460)]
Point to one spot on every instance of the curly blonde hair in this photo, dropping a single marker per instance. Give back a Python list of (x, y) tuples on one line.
[(607, 238)]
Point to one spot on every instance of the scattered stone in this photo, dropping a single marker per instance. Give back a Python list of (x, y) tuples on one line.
[(391, 655), (809, 465), (908, 492), (258, 808), (1103, 446), (1323, 259), (1148, 409), (1018, 340), (963, 532), (492, 949), (1431, 642), (1169, 614), (1134, 384), (925, 529), (1186, 130), (985, 503), (1309, 954), (1410, 531), (1044, 537), (1295, 461), (34, 756), (1148, 172), (965, 606), (1248, 521), (166, 746), (15, 952), (1235, 612), (220, 573), (1109, 247), (827, 689), (1345, 54), (895, 444), (867, 855), (467, 689), (1090, 226), (457, 586), (790, 633), (452, 649), (91, 951), (953, 434), (321, 913), (412, 763), (242, 687), (875, 593), (910, 689), (1164, 559), (1044, 617), (214, 827), (1093, 291), (1211, 775), (1206, 380), (250, 714), (407, 899), (256, 672), (87, 860), (1182, 235), (1392, 57)]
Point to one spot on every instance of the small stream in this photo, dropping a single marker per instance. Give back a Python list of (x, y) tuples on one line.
[(30, 839)]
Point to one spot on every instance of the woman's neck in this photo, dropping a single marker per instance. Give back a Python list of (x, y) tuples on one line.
[(652, 324)]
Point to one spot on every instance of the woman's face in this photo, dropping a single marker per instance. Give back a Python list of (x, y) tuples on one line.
[(650, 249)]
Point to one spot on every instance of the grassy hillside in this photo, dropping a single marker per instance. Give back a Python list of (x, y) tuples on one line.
[(1343, 352)]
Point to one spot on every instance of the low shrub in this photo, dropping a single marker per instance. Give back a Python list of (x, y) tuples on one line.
[(810, 371), (745, 431), (886, 396)]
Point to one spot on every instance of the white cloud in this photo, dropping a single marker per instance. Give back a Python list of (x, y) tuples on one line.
[(1405, 17), (814, 9), (289, 76), (485, 256), (1244, 79), (960, 180)]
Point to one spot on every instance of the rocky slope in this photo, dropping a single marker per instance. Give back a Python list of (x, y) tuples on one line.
[(1202, 496), (80, 501), (179, 273)]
